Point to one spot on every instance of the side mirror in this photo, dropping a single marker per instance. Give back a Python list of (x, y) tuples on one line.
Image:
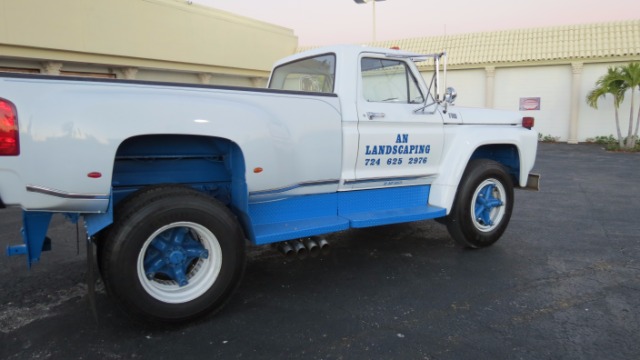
[(450, 95)]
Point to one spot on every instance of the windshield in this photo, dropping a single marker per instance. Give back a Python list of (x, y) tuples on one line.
[(314, 74)]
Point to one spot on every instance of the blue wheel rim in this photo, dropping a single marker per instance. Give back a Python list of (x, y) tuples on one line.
[(179, 262), (488, 205)]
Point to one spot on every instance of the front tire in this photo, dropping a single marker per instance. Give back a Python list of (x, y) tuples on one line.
[(173, 254), (483, 205)]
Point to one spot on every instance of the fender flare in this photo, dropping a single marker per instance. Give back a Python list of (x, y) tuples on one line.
[(462, 144)]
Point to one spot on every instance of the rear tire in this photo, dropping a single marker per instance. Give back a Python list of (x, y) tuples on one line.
[(172, 254), (483, 205)]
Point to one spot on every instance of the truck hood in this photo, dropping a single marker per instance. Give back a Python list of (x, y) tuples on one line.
[(478, 116)]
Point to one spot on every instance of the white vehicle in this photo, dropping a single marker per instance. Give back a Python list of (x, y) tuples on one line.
[(170, 179)]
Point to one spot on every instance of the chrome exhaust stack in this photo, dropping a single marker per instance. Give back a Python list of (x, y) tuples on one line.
[(286, 249), (300, 249), (323, 244), (311, 246)]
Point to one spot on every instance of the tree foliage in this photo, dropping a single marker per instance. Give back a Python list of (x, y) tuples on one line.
[(617, 82)]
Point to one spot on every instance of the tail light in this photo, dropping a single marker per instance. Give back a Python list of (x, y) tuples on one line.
[(528, 122), (9, 137)]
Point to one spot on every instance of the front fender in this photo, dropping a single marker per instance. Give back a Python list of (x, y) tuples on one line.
[(461, 143)]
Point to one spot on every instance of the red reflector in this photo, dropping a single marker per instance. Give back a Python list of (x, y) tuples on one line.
[(94, 175), (528, 122), (9, 140)]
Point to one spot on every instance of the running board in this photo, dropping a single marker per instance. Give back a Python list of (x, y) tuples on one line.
[(394, 216), (269, 233), (318, 214)]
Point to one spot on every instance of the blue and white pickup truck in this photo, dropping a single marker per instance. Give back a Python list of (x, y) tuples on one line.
[(171, 180)]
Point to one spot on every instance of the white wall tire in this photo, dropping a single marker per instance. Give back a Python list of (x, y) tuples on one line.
[(172, 254), (483, 205), (488, 200), (201, 272)]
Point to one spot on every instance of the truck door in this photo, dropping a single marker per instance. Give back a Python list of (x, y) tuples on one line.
[(398, 145)]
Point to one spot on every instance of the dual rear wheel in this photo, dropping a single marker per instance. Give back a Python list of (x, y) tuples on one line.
[(172, 254)]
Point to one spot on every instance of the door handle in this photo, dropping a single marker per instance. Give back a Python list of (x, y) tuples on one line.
[(372, 115)]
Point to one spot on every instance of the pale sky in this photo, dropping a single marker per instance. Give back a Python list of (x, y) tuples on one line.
[(326, 22)]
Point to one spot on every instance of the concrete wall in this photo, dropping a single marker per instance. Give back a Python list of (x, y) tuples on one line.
[(170, 40), (469, 84), (168, 36), (553, 84)]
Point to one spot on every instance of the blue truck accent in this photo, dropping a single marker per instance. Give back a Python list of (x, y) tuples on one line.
[(286, 219), (34, 236), (320, 214)]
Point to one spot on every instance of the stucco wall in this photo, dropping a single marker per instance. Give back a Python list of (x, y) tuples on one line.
[(170, 40), (152, 34), (553, 85), (469, 84)]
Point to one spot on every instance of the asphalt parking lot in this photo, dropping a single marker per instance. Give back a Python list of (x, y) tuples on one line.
[(562, 283)]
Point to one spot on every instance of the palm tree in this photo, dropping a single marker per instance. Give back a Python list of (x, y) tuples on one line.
[(613, 84), (631, 77)]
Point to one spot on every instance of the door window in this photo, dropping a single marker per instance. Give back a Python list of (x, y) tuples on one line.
[(385, 80)]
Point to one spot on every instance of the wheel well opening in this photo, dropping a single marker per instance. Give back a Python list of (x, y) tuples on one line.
[(208, 164), (506, 154)]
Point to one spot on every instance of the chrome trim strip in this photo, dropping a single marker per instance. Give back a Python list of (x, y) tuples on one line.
[(362, 181), (65, 195), (294, 186)]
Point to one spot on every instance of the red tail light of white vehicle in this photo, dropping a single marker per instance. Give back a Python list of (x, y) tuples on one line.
[(9, 138)]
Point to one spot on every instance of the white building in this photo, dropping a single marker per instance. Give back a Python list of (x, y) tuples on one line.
[(171, 40), (557, 66), (163, 40)]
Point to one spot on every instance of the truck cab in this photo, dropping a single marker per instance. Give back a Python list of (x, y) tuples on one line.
[(390, 136)]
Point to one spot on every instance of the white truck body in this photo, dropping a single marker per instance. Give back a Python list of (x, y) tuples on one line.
[(360, 140)]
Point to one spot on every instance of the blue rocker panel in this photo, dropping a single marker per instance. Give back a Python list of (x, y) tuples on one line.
[(310, 215)]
